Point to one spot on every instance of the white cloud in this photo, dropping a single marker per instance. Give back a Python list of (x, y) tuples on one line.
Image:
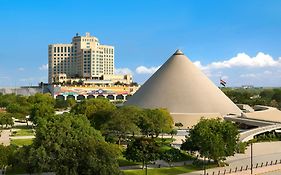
[(43, 67), (146, 70), (261, 70), (198, 64), (251, 75), (123, 71), (21, 69), (205, 69), (267, 72), (243, 60)]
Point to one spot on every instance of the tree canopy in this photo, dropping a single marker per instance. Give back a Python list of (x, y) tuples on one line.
[(212, 138), (94, 108), (67, 144), (142, 149), (156, 121), (122, 122), (42, 106), (6, 119)]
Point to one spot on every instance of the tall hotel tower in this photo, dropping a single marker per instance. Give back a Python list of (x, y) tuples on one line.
[(84, 58)]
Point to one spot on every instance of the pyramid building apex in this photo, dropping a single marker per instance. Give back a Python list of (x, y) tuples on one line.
[(183, 88), (178, 52)]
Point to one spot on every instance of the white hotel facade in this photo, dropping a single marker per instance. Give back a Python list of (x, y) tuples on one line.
[(85, 58)]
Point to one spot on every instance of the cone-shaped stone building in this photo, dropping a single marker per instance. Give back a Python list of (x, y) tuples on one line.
[(185, 91)]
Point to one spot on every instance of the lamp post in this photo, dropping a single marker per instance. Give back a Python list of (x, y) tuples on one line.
[(251, 158), (204, 166)]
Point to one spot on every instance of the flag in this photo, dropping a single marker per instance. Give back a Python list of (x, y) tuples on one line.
[(222, 82)]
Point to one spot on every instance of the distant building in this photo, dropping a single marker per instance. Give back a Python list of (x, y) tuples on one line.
[(247, 86), (85, 59)]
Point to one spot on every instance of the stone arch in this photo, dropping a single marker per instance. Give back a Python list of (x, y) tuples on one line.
[(110, 97), (120, 97), (90, 96), (100, 96), (70, 97), (80, 97), (60, 97)]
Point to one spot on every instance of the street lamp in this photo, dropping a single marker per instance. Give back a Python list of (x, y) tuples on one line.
[(251, 158), (204, 166)]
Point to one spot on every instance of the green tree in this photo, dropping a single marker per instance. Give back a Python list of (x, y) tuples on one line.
[(96, 110), (123, 122), (173, 132), (7, 99), (156, 121), (19, 111), (6, 153), (70, 102), (212, 138), (6, 119), (41, 98), (63, 104), (179, 125), (42, 106), (143, 150), (67, 144), (41, 110), (171, 155), (277, 95)]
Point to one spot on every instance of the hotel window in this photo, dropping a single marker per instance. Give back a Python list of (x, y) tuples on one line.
[(61, 49), (55, 49), (58, 49)]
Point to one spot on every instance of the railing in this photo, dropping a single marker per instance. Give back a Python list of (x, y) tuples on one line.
[(243, 168), (245, 136)]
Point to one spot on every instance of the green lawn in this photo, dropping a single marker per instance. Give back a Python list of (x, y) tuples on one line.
[(23, 132), (163, 171), (21, 142), (22, 127), (124, 162), (164, 140)]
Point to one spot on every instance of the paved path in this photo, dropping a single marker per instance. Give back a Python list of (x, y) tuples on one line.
[(4, 138), (263, 152), (276, 172), (21, 137), (156, 165)]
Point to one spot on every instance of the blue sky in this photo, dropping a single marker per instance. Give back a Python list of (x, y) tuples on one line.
[(238, 40)]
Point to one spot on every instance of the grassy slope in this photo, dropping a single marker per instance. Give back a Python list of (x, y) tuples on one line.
[(21, 142), (163, 171), (23, 132)]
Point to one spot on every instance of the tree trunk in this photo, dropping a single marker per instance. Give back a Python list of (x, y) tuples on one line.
[(145, 168), (119, 141)]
